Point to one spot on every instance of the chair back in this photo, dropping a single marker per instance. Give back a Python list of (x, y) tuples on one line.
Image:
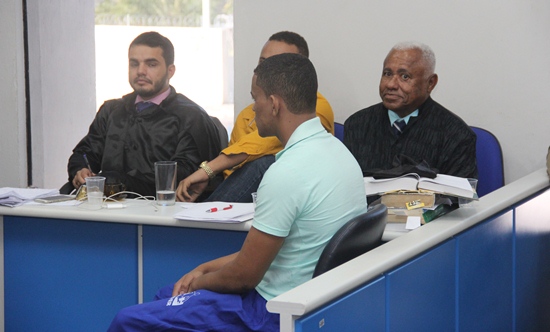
[(353, 239), (490, 167), (339, 131), (224, 138)]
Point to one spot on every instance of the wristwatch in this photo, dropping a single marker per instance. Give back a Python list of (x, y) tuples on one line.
[(207, 169)]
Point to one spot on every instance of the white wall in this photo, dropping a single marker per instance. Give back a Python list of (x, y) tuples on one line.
[(492, 59), (13, 171), (61, 86), (493, 66), (61, 83)]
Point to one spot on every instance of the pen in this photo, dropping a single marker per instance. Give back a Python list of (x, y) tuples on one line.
[(87, 163), (252, 121), (216, 209)]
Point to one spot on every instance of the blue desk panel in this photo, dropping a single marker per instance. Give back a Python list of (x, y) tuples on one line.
[(485, 283), (420, 294), (361, 310), (66, 275), (170, 252), (494, 276), (533, 265)]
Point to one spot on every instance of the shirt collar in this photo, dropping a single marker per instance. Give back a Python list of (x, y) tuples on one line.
[(394, 117), (307, 129), (155, 100)]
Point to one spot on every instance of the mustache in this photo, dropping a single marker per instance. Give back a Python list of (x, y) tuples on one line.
[(143, 78)]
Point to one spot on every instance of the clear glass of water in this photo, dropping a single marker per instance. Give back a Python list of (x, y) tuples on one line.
[(165, 181), (94, 191)]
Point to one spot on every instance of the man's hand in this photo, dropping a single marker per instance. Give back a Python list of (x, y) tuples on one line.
[(184, 284), (190, 188), (236, 273), (80, 177)]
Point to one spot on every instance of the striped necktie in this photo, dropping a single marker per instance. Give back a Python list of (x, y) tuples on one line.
[(398, 127)]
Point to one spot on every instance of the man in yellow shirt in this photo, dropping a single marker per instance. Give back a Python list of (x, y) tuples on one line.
[(248, 155)]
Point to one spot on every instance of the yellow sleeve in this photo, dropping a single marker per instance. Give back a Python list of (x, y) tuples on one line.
[(245, 139), (324, 112), (244, 124)]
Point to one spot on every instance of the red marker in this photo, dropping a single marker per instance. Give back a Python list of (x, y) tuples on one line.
[(216, 209)]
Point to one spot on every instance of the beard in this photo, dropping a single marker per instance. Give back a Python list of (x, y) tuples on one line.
[(147, 93)]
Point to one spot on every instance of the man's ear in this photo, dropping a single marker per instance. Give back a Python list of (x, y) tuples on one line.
[(432, 82), (275, 104), (171, 71)]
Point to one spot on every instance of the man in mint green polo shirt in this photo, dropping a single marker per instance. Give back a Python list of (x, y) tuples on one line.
[(312, 189)]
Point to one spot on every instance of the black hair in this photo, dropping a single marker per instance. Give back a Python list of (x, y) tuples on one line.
[(292, 38), (155, 39), (292, 77)]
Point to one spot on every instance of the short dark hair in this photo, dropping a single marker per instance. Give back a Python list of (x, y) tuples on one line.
[(292, 77), (292, 38), (155, 39)]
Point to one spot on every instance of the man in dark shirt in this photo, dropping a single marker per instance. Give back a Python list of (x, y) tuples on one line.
[(153, 123), (428, 131)]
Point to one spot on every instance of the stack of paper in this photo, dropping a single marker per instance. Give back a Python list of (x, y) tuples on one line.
[(16, 196), (221, 212)]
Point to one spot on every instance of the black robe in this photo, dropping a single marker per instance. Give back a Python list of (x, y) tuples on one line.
[(125, 143), (436, 136)]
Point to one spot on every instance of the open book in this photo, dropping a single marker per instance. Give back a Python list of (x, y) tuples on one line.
[(442, 184)]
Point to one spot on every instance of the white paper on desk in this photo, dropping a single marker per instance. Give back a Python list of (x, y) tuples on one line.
[(16, 196), (413, 222), (72, 202), (396, 227), (238, 212)]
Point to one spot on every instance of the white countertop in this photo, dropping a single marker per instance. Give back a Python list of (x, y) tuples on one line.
[(136, 212)]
